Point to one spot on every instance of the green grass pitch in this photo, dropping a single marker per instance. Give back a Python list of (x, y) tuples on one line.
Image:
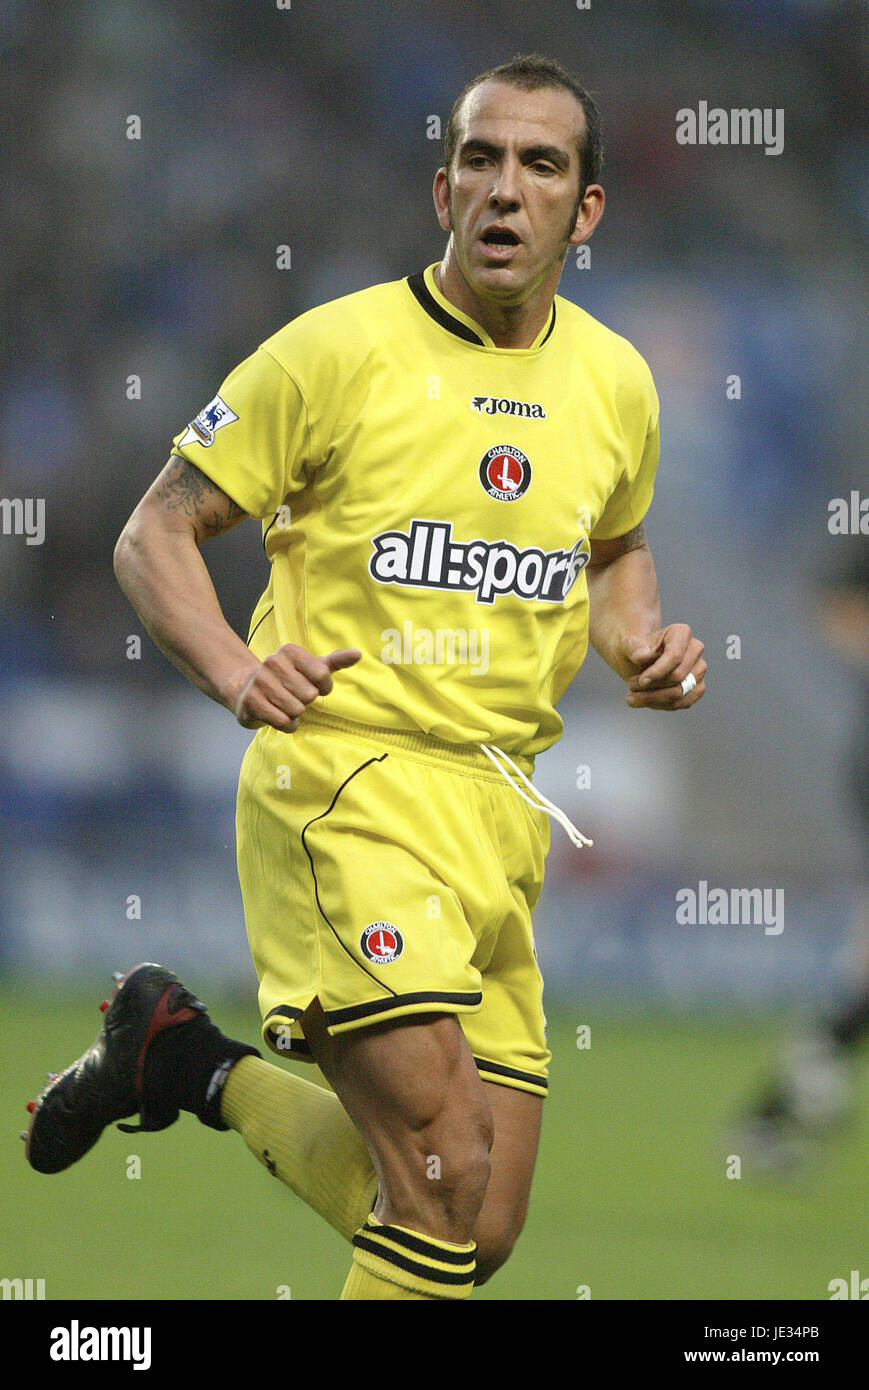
[(631, 1196)]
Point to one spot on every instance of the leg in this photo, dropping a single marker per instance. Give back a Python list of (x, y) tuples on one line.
[(517, 1116), (303, 1135), (413, 1090), (308, 1140)]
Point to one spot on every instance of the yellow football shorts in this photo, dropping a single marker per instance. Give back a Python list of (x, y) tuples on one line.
[(389, 874)]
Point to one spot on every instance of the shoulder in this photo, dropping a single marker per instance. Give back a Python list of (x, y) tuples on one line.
[(342, 330), (610, 352)]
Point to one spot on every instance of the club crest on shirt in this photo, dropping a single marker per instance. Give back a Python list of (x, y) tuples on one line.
[(204, 426), (500, 405), (505, 472), (381, 943)]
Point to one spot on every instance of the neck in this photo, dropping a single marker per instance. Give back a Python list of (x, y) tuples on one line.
[(508, 325)]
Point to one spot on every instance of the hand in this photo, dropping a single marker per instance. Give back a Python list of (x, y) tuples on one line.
[(660, 663), (284, 684)]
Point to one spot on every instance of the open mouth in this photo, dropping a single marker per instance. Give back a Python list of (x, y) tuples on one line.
[(499, 240)]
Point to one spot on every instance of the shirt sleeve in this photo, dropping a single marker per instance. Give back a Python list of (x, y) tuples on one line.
[(252, 440), (632, 495)]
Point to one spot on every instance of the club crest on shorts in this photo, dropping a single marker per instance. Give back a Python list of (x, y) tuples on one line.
[(381, 943), (505, 472)]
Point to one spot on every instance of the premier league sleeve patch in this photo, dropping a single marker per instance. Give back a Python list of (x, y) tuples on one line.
[(204, 427)]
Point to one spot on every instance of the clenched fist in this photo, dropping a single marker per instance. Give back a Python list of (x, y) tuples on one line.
[(655, 666), (280, 688)]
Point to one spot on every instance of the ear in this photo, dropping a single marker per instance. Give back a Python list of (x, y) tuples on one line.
[(590, 213), (441, 195)]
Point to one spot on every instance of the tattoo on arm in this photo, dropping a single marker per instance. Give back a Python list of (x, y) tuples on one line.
[(184, 487), (610, 550), (631, 540)]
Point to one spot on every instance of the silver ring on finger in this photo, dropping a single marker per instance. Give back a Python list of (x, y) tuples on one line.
[(689, 683)]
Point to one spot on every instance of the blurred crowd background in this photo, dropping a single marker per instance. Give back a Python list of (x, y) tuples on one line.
[(308, 127)]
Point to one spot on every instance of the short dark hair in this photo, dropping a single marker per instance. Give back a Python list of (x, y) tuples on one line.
[(531, 72)]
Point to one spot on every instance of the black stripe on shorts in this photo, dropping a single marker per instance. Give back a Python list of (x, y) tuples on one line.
[(379, 1006), (497, 1069)]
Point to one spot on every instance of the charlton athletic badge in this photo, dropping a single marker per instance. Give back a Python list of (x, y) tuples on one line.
[(505, 472), (381, 943)]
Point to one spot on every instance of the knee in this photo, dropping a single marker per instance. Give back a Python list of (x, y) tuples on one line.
[(453, 1154), (440, 1169)]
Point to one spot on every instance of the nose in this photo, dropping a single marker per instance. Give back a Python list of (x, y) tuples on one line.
[(506, 187)]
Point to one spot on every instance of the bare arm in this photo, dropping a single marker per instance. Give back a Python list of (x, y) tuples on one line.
[(623, 596), (625, 626), (159, 567)]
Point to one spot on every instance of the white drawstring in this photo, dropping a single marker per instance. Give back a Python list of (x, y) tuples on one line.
[(542, 803)]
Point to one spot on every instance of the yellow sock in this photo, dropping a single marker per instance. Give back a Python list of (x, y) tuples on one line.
[(363, 1285), (304, 1136), (392, 1262)]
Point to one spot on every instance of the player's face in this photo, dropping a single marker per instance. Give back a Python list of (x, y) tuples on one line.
[(512, 196)]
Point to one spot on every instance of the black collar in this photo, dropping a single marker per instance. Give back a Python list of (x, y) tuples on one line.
[(436, 311)]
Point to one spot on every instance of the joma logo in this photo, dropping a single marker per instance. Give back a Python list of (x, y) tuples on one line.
[(495, 405)]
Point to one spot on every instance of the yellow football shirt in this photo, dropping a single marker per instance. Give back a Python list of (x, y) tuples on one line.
[(428, 497)]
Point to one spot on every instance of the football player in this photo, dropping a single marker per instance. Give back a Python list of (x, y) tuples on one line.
[(454, 462)]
